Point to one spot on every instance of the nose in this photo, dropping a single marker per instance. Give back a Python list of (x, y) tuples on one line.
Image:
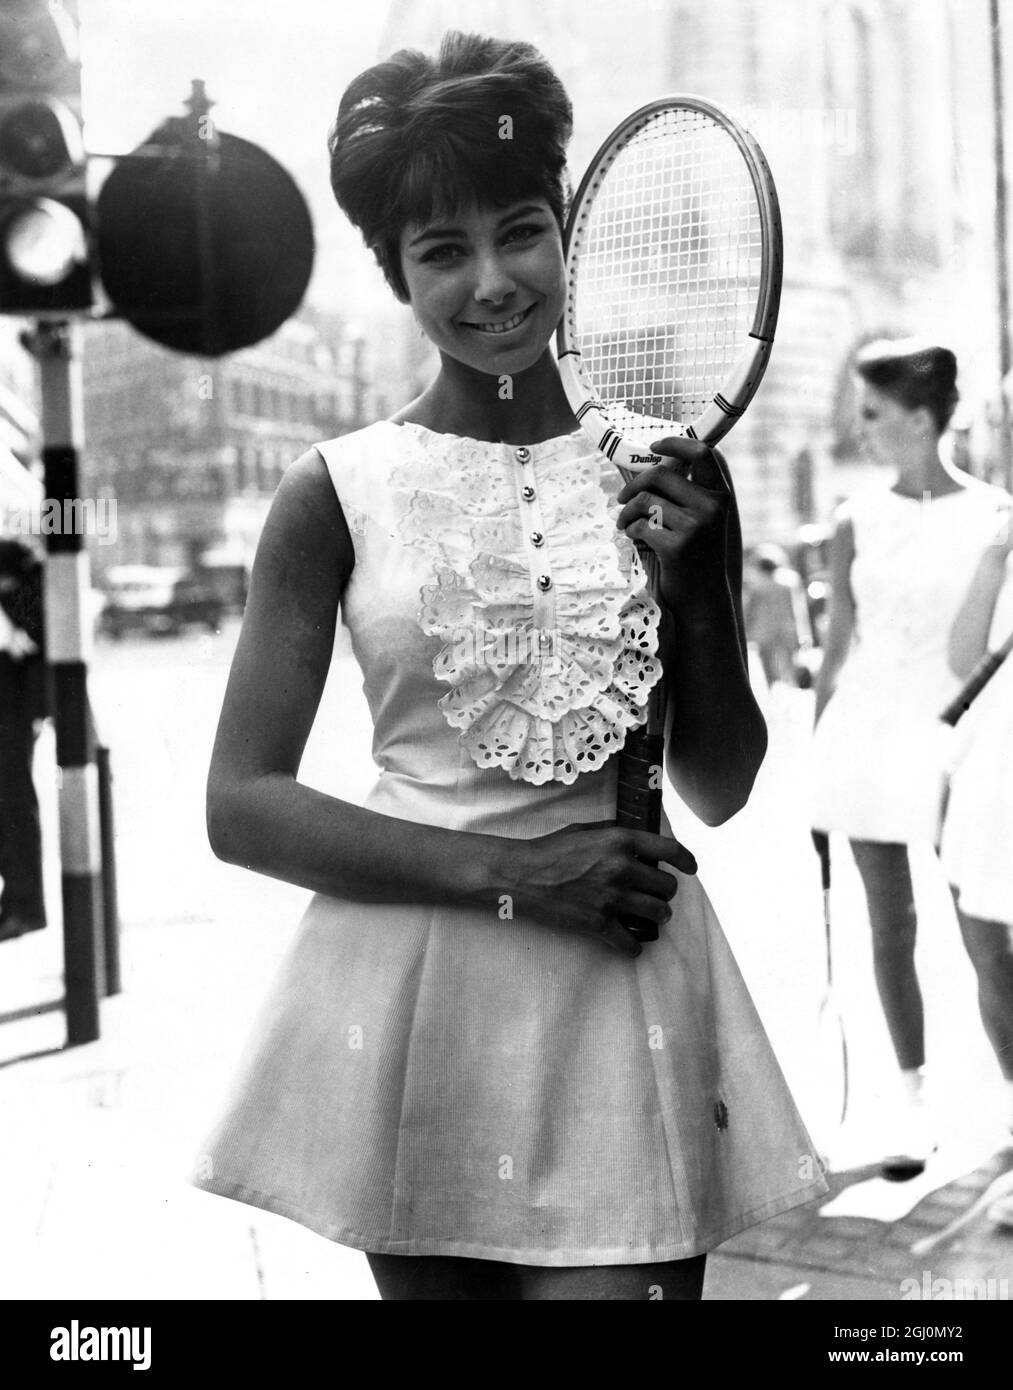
[(493, 284)]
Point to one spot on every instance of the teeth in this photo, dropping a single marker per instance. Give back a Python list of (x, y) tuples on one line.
[(503, 327)]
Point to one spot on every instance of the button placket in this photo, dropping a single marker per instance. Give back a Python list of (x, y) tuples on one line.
[(539, 566)]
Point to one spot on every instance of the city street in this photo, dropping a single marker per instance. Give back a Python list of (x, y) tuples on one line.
[(203, 215), (103, 1135)]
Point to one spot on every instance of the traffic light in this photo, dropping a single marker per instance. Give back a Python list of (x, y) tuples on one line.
[(45, 231), (205, 241), (204, 255)]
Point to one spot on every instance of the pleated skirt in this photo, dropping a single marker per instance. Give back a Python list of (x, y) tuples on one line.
[(434, 1081)]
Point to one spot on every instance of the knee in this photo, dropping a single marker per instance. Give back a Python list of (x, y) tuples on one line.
[(989, 945)]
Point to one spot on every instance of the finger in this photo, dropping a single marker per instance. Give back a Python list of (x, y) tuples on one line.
[(646, 907), (703, 465), (662, 849), (662, 478), (656, 883), (673, 502), (654, 511), (667, 536), (619, 939)]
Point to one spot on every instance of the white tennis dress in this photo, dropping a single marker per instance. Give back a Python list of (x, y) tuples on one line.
[(879, 752), (448, 1081), (977, 847)]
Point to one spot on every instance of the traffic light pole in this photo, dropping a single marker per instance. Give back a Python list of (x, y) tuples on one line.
[(54, 345), (1001, 248)]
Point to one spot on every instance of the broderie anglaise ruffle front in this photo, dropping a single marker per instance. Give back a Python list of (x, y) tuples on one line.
[(544, 703)]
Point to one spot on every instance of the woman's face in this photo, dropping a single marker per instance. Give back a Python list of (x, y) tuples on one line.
[(488, 284), (889, 431)]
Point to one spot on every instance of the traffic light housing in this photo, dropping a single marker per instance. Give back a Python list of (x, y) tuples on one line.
[(46, 238)]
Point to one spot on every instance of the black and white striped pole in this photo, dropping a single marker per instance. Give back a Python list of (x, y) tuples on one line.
[(1001, 246), (68, 635)]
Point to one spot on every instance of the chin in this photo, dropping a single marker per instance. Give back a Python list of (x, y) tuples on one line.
[(506, 363)]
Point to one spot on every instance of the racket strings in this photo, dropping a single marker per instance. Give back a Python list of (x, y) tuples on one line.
[(668, 274)]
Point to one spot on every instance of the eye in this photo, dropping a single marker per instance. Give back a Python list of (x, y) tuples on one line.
[(524, 231), (442, 254)]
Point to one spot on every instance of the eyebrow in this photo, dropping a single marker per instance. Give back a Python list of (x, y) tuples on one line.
[(430, 232)]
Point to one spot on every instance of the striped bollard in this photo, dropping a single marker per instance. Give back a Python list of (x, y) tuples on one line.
[(68, 638)]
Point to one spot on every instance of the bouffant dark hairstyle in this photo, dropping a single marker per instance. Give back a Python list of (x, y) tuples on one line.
[(416, 138), (913, 373)]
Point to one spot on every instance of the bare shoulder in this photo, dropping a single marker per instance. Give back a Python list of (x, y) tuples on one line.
[(305, 507), (303, 563), (305, 542)]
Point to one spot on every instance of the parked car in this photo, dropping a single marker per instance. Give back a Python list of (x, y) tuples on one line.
[(230, 579), (159, 601)]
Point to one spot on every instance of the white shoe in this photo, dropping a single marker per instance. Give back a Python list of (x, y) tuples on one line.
[(912, 1142)]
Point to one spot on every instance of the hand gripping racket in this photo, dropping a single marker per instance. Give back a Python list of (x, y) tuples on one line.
[(673, 261)]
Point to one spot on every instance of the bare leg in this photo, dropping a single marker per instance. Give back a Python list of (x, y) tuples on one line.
[(439, 1278), (990, 946), (443, 1278), (675, 1280), (886, 876)]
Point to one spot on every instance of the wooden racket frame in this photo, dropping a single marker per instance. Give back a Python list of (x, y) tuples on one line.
[(641, 760), (730, 402)]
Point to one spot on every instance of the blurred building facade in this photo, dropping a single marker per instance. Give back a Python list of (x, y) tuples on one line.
[(876, 118), (193, 450)]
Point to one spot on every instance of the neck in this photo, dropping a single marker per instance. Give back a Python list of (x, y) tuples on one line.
[(526, 408), (925, 474)]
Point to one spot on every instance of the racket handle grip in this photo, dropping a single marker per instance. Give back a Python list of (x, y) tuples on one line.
[(976, 682), (638, 803)]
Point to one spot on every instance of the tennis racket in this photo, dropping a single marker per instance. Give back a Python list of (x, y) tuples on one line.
[(958, 707), (673, 262), (975, 683), (832, 1042)]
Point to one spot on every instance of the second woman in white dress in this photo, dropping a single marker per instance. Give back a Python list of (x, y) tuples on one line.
[(903, 555)]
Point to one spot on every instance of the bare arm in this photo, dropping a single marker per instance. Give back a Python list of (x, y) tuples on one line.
[(261, 816), (969, 634), (715, 736), (842, 614)]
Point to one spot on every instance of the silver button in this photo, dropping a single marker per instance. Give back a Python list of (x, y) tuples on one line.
[(544, 582), (537, 538), (528, 493), (523, 455)]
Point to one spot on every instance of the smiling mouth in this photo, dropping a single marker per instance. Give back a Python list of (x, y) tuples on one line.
[(504, 325)]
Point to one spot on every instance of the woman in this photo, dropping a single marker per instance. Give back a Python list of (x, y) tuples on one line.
[(978, 829), (468, 1059), (902, 557)]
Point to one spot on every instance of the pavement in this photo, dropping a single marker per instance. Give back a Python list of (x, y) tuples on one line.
[(97, 1139)]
